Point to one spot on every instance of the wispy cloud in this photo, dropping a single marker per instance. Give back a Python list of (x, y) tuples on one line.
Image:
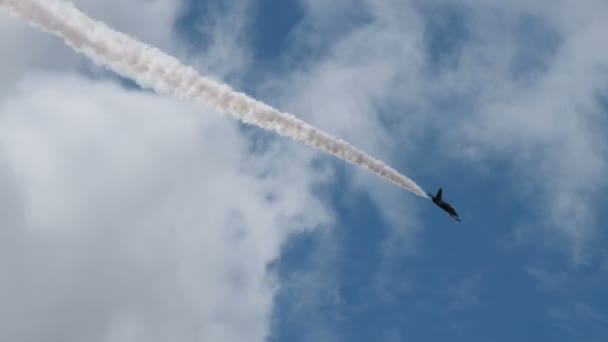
[(119, 220), (519, 84), (474, 86)]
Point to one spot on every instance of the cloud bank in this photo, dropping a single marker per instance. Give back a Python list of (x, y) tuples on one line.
[(120, 219)]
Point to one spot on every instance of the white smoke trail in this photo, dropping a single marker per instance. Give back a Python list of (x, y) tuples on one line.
[(151, 68)]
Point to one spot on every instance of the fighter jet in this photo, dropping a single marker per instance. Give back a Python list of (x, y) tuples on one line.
[(444, 205)]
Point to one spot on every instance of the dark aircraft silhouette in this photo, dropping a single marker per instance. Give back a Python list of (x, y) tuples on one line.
[(444, 205)]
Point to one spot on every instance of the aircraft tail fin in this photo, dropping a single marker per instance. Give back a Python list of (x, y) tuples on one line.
[(439, 193)]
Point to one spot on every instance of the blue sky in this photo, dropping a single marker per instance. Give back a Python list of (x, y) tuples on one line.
[(475, 281), (501, 104)]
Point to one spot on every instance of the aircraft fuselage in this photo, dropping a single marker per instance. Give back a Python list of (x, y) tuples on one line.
[(447, 207)]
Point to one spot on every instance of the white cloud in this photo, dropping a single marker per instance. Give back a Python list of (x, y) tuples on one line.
[(26, 50), (343, 88), (551, 123), (132, 217), (148, 21), (545, 124), (133, 214), (224, 30)]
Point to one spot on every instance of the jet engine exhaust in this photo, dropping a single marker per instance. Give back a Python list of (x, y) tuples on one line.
[(153, 69)]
